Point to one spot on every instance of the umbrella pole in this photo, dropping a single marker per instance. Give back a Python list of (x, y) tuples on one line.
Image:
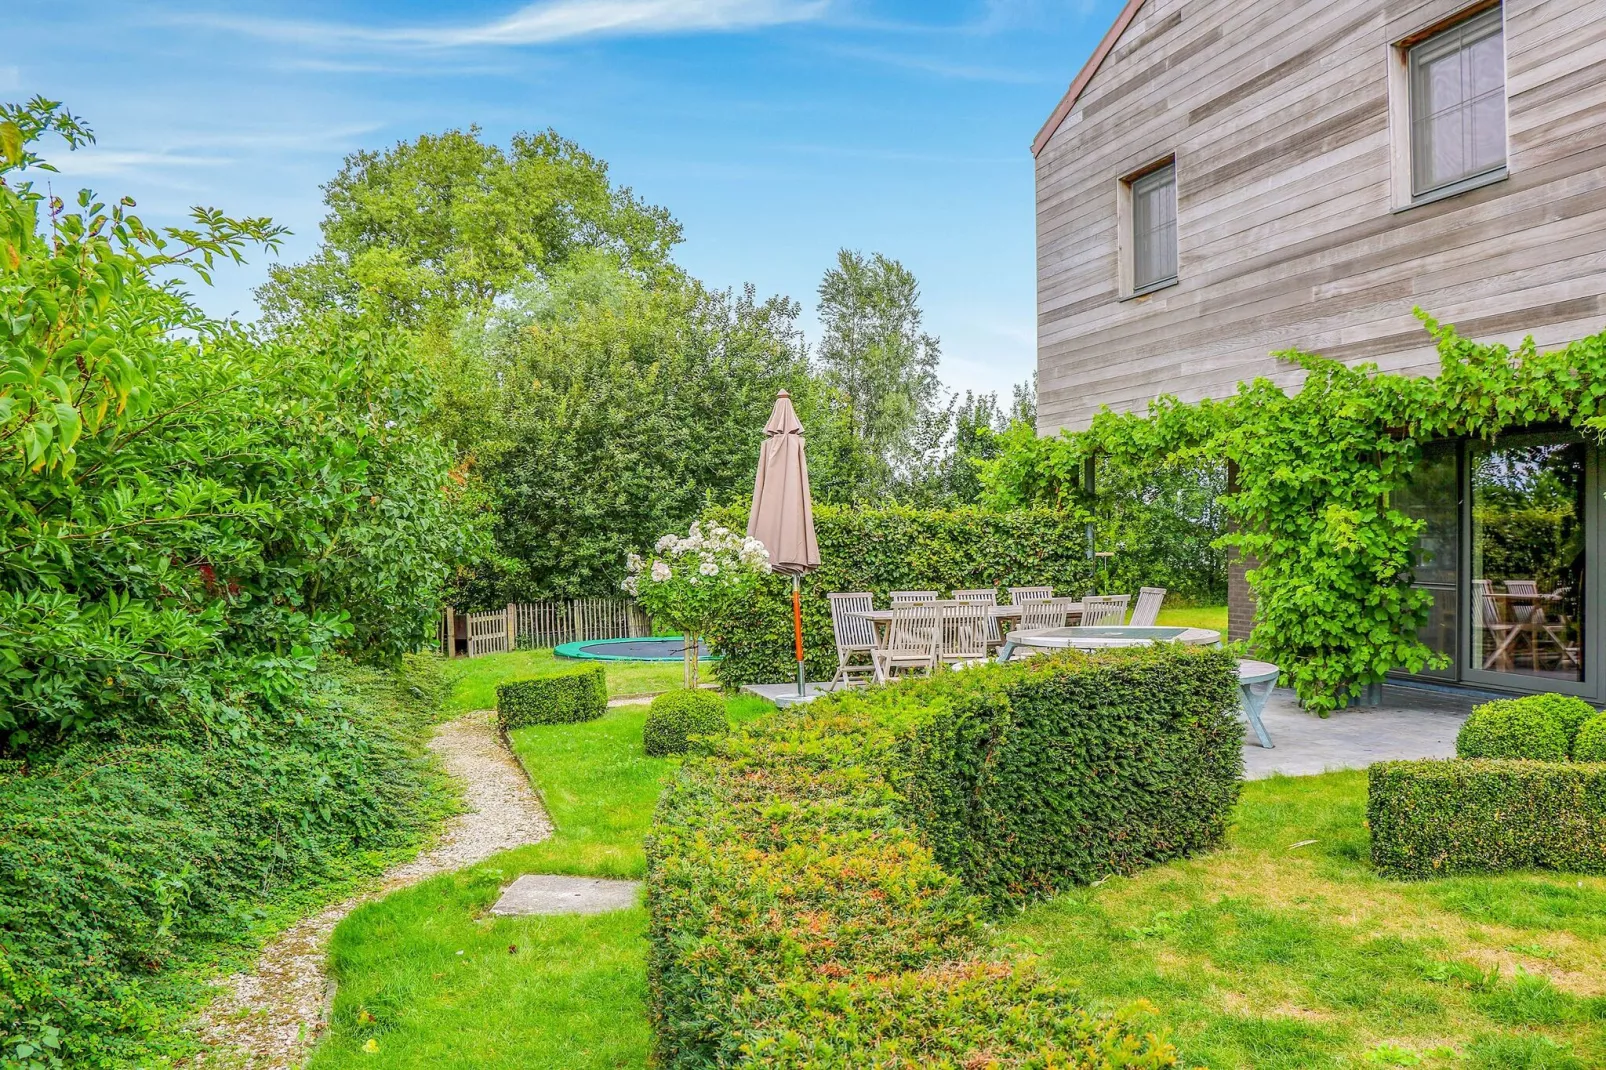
[(797, 628)]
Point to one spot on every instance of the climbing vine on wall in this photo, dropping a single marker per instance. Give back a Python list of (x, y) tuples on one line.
[(1316, 469)]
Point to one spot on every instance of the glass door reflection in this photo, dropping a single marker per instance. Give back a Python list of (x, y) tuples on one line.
[(1528, 500)]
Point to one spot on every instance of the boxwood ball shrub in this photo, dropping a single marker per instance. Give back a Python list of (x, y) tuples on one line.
[(578, 694), (675, 716), (1537, 727), (1590, 743), (818, 885), (1441, 817)]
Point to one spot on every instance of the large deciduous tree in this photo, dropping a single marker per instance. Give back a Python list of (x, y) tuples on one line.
[(449, 222), (872, 349)]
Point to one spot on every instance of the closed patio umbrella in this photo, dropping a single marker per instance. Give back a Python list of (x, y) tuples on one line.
[(783, 516)]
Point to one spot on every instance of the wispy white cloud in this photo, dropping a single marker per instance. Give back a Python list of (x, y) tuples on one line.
[(96, 161), (942, 68), (540, 23)]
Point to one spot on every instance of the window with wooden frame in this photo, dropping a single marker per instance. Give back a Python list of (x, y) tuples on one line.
[(1456, 85), (1150, 203)]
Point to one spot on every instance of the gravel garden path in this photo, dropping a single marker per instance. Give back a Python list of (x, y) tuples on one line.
[(270, 1017)]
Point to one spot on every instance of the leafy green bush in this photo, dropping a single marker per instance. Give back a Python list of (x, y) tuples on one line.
[(888, 549), (676, 716), (1590, 743), (1536, 727), (200, 514), (801, 910), (1436, 818), (578, 694), (123, 861)]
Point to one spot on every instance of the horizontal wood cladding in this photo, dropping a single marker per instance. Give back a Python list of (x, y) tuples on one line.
[(1279, 116)]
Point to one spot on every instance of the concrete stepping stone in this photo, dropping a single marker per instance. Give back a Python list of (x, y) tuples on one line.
[(540, 893)]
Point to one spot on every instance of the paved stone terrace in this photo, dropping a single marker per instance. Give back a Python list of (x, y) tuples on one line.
[(1410, 723)]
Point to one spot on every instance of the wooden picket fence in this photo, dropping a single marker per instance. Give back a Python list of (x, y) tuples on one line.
[(523, 625)]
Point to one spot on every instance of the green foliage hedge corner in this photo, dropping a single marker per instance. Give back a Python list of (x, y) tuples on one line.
[(126, 862), (1436, 818), (579, 694), (1536, 727), (884, 550), (1590, 744), (817, 886), (676, 716)]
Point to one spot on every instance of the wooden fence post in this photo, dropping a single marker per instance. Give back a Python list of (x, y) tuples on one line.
[(512, 627), (451, 632)]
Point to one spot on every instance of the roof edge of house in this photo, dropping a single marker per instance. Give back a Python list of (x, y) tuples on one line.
[(1085, 75)]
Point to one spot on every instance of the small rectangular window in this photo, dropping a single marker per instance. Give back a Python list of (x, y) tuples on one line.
[(1154, 229), (1458, 104)]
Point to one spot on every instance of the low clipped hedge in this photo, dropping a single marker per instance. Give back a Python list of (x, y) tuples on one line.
[(1535, 727), (818, 885), (567, 697), (675, 716), (1440, 817)]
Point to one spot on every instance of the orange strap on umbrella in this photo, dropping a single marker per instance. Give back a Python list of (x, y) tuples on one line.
[(797, 619)]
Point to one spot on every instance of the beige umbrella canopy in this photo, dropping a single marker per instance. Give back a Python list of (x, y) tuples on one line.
[(783, 516)]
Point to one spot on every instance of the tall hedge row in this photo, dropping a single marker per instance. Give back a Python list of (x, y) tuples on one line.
[(884, 550), (817, 887)]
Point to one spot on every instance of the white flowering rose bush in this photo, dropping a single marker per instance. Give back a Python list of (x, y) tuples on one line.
[(688, 581)]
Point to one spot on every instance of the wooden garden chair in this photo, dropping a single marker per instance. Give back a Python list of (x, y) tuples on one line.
[(1019, 596), (854, 636), (986, 597), (1147, 612), (1504, 632), (1045, 614), (1104, 609), (913, 641), (912, 598), (964, 633)]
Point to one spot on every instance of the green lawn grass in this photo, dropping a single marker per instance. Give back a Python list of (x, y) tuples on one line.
[(431, 980), (1284, 950), (1195, 617), (474, 680)]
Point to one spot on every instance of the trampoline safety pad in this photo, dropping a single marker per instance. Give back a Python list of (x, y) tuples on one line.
[(657, 648)]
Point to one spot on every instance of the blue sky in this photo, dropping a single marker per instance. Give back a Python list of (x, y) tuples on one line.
[(776, 131)]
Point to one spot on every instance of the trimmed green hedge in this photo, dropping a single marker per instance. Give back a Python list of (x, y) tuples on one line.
[(1535, 727), (1436, 818), (675, 716), (883, 550), (802, 913), (579, 694)]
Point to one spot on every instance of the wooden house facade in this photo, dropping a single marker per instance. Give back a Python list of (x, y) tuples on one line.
[(1224, 180)]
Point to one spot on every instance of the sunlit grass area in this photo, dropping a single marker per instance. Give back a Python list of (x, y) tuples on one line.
[(428, 979), (1284, 950), (474, 680), (1195, 617)]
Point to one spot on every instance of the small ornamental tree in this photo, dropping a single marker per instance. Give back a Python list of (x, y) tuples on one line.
[(690, 582)]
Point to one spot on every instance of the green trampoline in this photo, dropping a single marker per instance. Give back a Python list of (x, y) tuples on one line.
[(657, 648)]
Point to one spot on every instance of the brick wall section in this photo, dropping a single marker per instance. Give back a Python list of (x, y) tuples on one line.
[(1240, 600)]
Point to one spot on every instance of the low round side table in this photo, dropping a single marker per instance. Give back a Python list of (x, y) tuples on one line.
[(1255, 681)]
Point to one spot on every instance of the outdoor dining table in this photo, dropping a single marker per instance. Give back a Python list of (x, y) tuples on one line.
[(881, 619), (1102, 637)]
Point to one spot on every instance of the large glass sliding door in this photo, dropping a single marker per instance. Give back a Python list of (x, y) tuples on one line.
[(1530, 513), (1509, 528)]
